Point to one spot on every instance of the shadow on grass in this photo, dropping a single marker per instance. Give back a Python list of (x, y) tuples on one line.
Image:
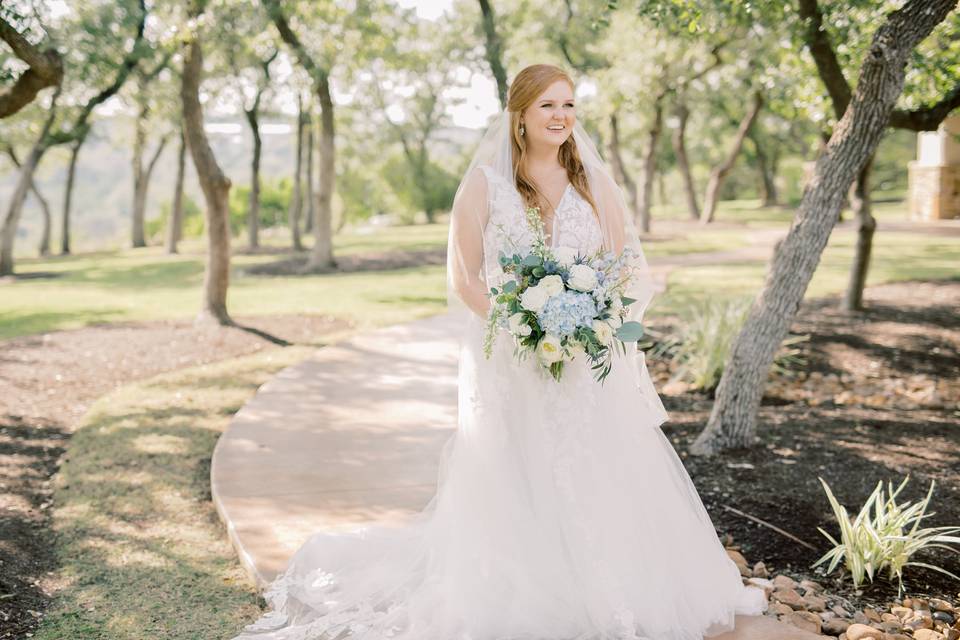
[(143, 554), (17, 323)]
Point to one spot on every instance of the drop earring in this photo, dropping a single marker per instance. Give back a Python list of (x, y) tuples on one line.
[(522, 130)]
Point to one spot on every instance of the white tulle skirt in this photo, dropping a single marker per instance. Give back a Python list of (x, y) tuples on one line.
[(562, 512)]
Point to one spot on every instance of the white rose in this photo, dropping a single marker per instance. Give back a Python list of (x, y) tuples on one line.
[(617, 303), (582, 278), (615, 320), (551, 284), (549, 349), (534, 298), (603, 330), (565, 255), (517, 326)]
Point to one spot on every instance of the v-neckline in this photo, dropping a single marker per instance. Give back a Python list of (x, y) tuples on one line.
[(562, 198), (556, 216)]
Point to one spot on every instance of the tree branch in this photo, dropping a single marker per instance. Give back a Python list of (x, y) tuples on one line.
[(46, 70), (319, 75), (828, 67), (494, 50), (926, 118), (129, 63)]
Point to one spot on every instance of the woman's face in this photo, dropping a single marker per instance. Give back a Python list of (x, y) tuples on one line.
[(549, 119)]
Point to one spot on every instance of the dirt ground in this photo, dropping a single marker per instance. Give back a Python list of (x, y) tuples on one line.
[(880, 400), (47, 383)]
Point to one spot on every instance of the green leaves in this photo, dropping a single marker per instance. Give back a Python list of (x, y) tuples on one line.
[(886, 539), (629, 331)]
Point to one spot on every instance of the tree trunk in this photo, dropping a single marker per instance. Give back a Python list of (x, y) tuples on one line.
[(309, 218), (720, 172), (175, 223), (649, 166), (68, 197), (321, 257), (866, 225), (253, 207), (137, 238), (765, 172), (141, 185), (662, 186), (732, 421), (618, 166), (44, 246), (296, 200), (494, 51), (680, 150), (8, 232), (216, 190)]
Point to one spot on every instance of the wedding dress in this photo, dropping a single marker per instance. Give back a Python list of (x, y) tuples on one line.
[(562, 511)]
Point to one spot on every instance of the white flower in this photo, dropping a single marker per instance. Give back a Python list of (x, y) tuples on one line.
[(565, 255), (582, 277), (551, 284), (534, 298), (603, 330), (517, 326), (549, 349), (617, 303), (615, 320)]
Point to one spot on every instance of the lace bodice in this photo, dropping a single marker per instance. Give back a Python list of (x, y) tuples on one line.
[(574, 224)]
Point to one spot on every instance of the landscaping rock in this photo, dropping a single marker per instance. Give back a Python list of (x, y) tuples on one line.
[(740, 561), (859, 631), (790, 597), (834, 626), (814, 603), (804, 620), (810, 585), (784, 582)]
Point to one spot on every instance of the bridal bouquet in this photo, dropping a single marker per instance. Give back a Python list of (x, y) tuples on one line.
[(561, 305)]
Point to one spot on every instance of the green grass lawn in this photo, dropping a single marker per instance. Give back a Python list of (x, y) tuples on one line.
[(144, 284), (143, 554)]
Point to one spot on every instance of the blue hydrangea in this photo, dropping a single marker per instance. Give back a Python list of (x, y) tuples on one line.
[(566, 311)]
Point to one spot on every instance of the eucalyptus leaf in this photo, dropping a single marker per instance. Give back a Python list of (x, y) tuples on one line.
[(629, 331)]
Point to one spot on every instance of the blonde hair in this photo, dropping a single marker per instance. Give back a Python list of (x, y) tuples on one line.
[(526, 86)]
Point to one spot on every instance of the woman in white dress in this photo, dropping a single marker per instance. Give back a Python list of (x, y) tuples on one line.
[(562, 511)]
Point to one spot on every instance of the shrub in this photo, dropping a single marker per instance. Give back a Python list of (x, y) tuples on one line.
[(193, 222), (702, 342), (887, 539)]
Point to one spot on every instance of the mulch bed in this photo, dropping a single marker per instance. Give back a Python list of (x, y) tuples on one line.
[(47, 383), (879, 399)]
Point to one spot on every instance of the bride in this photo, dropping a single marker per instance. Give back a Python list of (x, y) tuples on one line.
[(562, 512)]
